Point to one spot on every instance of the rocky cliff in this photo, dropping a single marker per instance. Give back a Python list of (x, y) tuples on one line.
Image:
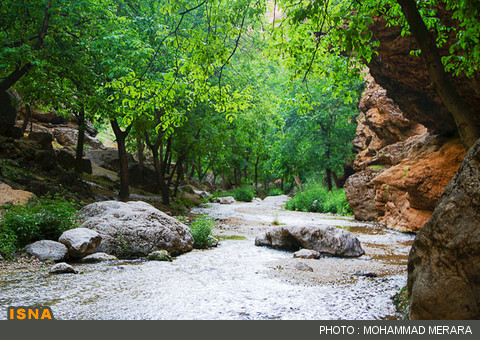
[(402, 168)]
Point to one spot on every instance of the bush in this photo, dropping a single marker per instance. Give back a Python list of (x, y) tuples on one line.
[(244, 194), (201, 230), (275, 192), (316, 198), (45, 218)]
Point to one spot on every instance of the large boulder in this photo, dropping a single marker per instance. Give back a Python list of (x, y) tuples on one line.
[(108, 158), (136, 229), (80, 242), (47, 250), (444, 262), (324, 239), (62, 268), (225, 200), (9, 195), (8, 112)]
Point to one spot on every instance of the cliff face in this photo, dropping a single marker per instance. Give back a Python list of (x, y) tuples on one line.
[(407, 149), (402, 168)]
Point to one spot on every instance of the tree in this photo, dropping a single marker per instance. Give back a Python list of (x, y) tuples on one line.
[(325, 27)]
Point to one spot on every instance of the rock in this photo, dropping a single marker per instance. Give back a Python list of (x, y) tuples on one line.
[(9, 195), (62, 268), (42, 139), (66, 160), (307, 254), (188, 189), (47, 250), (135, 229), (1, 257), (303, 267), (143, 177), (212, 241), (46, 159), (360, 195), (365, 274), (444, 262), (98, 257), (324, 239), (107, 158), (202, 194), (159, 255), (68, 137), (225, 200), (8, 112), (80, 242)]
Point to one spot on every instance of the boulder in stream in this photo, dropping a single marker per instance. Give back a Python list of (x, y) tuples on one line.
[(80, 242), (47, 250), (62, 268), (324, 239), (225, 200), (135, 229)]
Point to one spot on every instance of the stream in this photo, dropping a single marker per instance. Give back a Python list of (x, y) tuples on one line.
[(235, 280)]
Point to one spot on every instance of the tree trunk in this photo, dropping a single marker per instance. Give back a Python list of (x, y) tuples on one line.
[(160, 177), (140, 149), (299, 182), (19, 72), (461, 112), (256, 171), (120, 135), (28, 116), (328, 178), (80, 141)]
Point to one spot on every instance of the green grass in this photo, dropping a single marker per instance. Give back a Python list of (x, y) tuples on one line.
[(316, 198), (45, 218), (275, 192)]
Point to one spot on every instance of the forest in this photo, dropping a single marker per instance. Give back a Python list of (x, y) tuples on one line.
[(251, 99)]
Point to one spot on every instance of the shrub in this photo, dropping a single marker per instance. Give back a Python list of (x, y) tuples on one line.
[(316, 198), (201, 230), (275, 192), (244, 194), (45, 218)]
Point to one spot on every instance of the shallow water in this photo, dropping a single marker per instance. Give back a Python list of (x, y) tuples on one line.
[(232, 281)]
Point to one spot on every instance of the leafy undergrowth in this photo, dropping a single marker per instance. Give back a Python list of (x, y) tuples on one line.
[(201, 230), (39, 219), (316, 198), (400, 300)]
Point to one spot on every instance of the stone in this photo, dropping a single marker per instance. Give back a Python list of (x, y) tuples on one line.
[(225, 200), (307, 254), (66, 160), (212, 241), (324, 239), (107, 158), (42, 139), (303, 267), (143, 177), (11, 196), (68, 137), (46, 159), (202, 194), (47, 250), (360, 195), (444, 262), (8, 112), (98, 257), (159, 255), (62, 268), (135, 229), (365, 273), (80, 242)]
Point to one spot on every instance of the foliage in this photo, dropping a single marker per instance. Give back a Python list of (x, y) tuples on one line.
[(316, 198), (275, 192), (244, 194), (201, 230), (45, 218)]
